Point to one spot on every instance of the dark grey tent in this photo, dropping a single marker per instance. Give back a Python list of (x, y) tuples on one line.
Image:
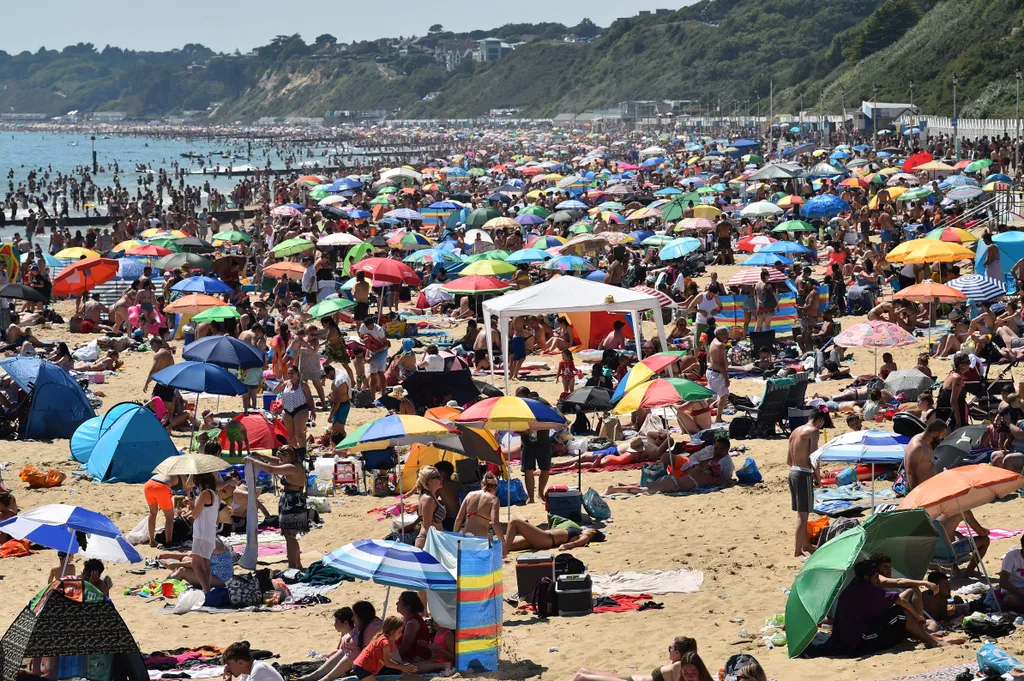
[(54, 625)]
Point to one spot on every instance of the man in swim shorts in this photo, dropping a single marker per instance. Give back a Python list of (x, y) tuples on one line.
[(718, 369), (803, 477), (517, 347)]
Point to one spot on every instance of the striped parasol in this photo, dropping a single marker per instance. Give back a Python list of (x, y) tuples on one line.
[(754, 243), (663, 298), (394, 431), (391, 563), (978, 288), (662, 392), (748, 276)]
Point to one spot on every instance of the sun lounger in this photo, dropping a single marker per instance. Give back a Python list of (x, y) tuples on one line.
[(771, 411)]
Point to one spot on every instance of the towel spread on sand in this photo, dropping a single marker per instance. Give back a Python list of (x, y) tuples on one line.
[(854, 492), (265, 550), (676, 581), (571, 467), (994, 533)]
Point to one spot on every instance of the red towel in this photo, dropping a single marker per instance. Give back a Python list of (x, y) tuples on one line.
[(625, 603), (571, 468)]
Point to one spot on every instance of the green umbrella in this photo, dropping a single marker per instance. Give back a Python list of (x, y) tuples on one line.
[(221, 313), (477, 172), (795, 226), (674, 209), (657, 240), (978, 165), (752, 158), (582, 228), (232, 235), (907, 536), (916, 193), (175, 260), (487, 255), (355, 254), (330, 307), (166, 243), (539, 211), (292, 247), (318, 194), (387, 190), (480, 216), (383, 199)]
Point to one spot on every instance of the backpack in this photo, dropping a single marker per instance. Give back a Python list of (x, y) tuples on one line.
[(740, 427), (597, 508), (568, 564), (979, 625), (244, 590), (545, 599), (361, 399)]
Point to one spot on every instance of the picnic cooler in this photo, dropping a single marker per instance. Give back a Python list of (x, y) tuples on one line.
[(530, 568), (566, 502), (799, 416), (575, 595)]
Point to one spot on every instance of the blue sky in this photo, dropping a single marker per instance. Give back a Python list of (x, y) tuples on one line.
[(224, 26)]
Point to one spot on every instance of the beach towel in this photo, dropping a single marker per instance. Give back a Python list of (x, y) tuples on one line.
[(854, 492), (676, 581), (994, 533), (571, 467), (839, 507), (265, 550), (624, 603)]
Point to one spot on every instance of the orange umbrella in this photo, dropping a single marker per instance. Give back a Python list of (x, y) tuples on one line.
[(150, 250), (929, 291), (83, 276), (292, 270), (193, 303), (958, 490)]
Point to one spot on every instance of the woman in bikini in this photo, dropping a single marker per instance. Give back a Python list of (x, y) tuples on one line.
[(682, 647), (297, 402), (432, 512), (480, 512), (522, 536), (291, 507), (694, 416), (561, 339)]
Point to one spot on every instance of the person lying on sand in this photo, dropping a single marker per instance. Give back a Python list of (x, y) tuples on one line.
[(638, 450), (710, 467), (522, 536), (681, 654), (109, 363)]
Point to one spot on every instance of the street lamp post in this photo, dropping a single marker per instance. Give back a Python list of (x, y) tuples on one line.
[(874, 107), (842, 94), (911, 97), (1016, 140), (956, 123)]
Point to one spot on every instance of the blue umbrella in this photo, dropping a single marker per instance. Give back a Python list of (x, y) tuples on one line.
[(641, 234), (653, 162), (56, 525), (994, 177), (201, 285), (444, 205), (358, 214), (739, 144), (824, 206), (786, 247), (762, 259), (571, 204), (529, 219), (526, 256), (225, 351), (795, 128), (497, 196), (344, 184), (596, 275), (978, 288), (200, 377), (958, 181), (679, 248), (391, 563), (297, 206), (405, 214)]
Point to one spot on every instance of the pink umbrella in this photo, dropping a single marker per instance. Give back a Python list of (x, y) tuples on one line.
[(285, 211), (751, 276), (694, 223), (875, 335), (663, 298)]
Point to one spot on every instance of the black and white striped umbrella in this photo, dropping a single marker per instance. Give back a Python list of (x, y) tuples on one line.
[(978, 288)]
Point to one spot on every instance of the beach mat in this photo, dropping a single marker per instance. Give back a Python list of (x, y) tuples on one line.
[(675, 581), (571, 468)]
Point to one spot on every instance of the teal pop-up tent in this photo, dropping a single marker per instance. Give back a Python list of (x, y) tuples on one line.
[(123, 445)]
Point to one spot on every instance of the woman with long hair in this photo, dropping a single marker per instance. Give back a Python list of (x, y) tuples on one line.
[(279, 345), (431, 511), (299, 408), (682, 653), (204, 527), (291, 507), (357, 626)]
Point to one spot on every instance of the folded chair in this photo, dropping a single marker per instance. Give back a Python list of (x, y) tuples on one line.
[(772, 410), (951, 556)]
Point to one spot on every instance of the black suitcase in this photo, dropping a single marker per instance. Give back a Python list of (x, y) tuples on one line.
[(575, 595)]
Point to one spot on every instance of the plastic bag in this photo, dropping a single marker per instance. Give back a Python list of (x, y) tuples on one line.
[(190, 600), (748, 474), (36, 479), (89, 352), (994, 657), (597, 508), (847, 476)]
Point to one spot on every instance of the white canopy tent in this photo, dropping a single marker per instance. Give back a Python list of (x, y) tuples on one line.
[(568, 294)]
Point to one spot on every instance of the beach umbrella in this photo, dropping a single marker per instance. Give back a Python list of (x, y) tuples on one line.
[(645, 370), (539, 211), (191, 464), (431, 255), (932, 251), (908, 382), (765, 260), (396, 430), (694, 223), (964, 193), (74, 253), (908, 537), (529, 219), (587, 400), (217, 314), (980, 164), (748, 276), (679, 248), (480, 216), (978, 288), (658, 240), (824, 206), (958, 445), (661, 392), (500, 223), (386, 270), (339, 239), (285, 211), (954, 235), (194, 303), (569, 263), (200, 377), (929, 291), (527, 256), (21, 292), (863, 446), (190, 260), (233, 236), (476, 283), (488, 267), (663, 298), (405, 214), (391, 564), (60, 526), (128, 245), (875, 335), (961, 489), (760, 208), (409, 241), (795, 226), (916, 193), (149, 250), (170, 243), (471, 442), (225, 351), (292, 247), (789, 201), (487, 255), (511, 413), (83, 276), (543, 242), (193, 244), (201, 285), (786, 248), (330, 307)]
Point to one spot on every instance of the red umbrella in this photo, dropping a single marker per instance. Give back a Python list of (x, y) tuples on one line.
[(84, 276), (663, 298), (150, 250), (915, 160), (387, 270), (476, 283)]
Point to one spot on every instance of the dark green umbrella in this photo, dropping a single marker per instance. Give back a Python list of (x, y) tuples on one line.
[(907, 536), (480, 216), (176, 260), (674, 209)]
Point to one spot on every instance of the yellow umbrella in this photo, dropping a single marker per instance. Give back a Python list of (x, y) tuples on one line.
[(934, 166), (153, 231), (535, 194), (709, 212), (888, 171), (891, 194), (693, 159), (75, 253), (488, 268), (929, 251), (128, 245)]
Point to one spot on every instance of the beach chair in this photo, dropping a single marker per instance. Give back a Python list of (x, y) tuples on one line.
[(798, 392), (950, 556), (771, 411)]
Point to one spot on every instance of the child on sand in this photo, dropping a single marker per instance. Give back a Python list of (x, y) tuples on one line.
[(567, 372), (381, 652)]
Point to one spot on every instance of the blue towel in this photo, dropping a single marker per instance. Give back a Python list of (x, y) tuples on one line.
[(834, 509)]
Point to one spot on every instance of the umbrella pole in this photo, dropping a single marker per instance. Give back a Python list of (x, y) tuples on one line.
[(387, 595), (195, 420), (67, 556), (977, 554), (872, 486)]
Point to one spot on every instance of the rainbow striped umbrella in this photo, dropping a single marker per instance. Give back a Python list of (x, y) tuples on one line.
[(410, 241), (431, 255), (488, 268), (645, 370), (391, 563), (661, 392), (545, 242), (512, 413), (394, 431), (951, 234), (569, 263)]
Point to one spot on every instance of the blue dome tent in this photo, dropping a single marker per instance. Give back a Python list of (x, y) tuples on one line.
[(123, 445), (1011, 250), (57, 403)]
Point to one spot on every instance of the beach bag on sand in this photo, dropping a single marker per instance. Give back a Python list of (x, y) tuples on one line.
[(979, 625), (748, 474), (545, 599), (740, 427), (995, 658), (568, 564), (597, 508), (243, 591), (651, 472), (735, 663), (361, 399)]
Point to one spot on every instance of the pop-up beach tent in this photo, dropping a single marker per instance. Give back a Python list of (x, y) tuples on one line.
[(1011, 250), (123, 445), (590, 328), (567, 295), (58, 405)]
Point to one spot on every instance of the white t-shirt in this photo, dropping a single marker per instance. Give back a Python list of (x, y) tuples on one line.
[(1013, 565), (377, 332), (723, 468), (433, 363), (261, 671), (341, 378)]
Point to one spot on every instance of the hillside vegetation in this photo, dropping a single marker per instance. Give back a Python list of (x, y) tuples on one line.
[(716, 54)]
